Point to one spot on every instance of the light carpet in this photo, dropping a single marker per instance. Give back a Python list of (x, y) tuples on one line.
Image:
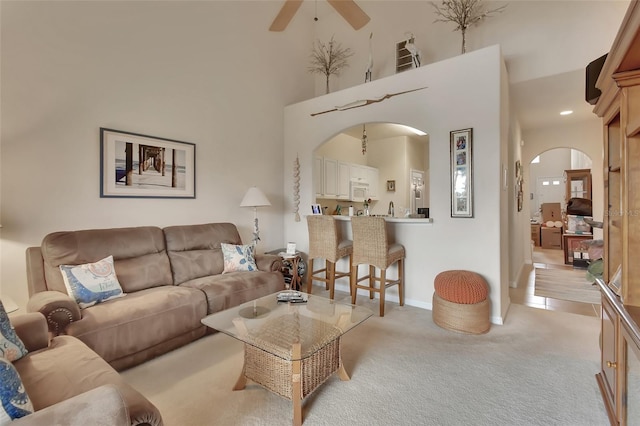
[(536, 369), (566, 284)]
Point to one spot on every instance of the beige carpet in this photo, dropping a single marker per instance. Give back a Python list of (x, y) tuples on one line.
[(536, 369), (566, 284)]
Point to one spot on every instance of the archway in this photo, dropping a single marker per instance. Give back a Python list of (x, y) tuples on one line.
[(397, 156), (548, 184)]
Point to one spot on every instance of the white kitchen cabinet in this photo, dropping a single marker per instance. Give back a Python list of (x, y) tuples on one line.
[(330, 189), (318, 176), (371, 176), (344, 179)]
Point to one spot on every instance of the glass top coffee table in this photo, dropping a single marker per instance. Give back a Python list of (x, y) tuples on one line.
[(290, 348)]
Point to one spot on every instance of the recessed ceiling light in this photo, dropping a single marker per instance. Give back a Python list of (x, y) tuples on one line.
[(567, 112)]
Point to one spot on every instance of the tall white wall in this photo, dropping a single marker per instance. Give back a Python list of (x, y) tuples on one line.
[(465, 91), (203, 72)]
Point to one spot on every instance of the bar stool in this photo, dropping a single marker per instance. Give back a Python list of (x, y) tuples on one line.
[(325, 242), (371, 247)]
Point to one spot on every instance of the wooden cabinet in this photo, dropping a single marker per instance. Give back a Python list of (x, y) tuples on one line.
[(578, 184), (619, 107), (535, 234), (619, 376)]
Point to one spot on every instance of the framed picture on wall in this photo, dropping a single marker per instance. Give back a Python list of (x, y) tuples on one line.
[(461, 173), (141, 166)]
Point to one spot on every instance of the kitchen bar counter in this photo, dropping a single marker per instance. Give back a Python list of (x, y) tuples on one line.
[(413, 220)]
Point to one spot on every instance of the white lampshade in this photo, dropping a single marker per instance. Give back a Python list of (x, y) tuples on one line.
[(254, 198)]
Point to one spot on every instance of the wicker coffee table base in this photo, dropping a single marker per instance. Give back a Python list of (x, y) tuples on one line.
[(293, 380)]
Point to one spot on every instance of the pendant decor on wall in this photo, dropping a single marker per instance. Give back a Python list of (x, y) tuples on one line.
[(296, 188), (365, 102)]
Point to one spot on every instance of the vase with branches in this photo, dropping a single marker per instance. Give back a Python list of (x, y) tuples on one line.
[(329, 59), (463, 13)]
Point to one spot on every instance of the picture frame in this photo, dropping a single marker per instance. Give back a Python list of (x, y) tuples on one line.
[(316, 209), (391, 185), (461, 150), (167, 169)]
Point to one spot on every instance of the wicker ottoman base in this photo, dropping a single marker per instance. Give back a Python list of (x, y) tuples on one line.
[(275, 373), (463, 318)]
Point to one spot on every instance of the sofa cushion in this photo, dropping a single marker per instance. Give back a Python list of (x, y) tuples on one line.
[(91, 283), (194, 250), (140, 320), (238, 258), (68, 368), (11, 347), (139, 255), (225, 291), (14, 400)]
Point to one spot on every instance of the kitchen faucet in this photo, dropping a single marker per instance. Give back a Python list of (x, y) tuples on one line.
[(391, 209)]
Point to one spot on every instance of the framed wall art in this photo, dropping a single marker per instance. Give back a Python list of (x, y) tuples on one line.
[(141, 166), (391, 185), (461, 173)]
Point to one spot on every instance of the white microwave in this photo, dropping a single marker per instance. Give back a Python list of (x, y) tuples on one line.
[(359, 191)]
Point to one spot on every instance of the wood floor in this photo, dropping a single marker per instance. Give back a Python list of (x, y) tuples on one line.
[(523, 294)]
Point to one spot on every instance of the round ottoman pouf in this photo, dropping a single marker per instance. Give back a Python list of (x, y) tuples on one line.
[(461, 303)]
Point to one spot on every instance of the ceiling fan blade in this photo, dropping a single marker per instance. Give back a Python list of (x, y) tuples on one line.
[(288, 10), (351, 12)]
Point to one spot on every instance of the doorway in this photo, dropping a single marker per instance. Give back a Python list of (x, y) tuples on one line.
[(549, 189)]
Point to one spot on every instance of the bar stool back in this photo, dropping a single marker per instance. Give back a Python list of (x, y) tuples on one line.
[(325, 242), (371, 247)]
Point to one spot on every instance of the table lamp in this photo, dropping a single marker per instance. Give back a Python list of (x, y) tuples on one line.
[(255, 198)]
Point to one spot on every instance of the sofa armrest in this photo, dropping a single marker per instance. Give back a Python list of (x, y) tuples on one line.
[(32, 329), (59, 309), (269, 262), (102, 406)]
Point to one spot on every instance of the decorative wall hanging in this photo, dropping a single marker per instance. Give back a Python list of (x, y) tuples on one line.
[(463, 13), (137, 166), (364, 139), (296, 188), (461, 173), (391, 185), (365, 102), (519, 183)]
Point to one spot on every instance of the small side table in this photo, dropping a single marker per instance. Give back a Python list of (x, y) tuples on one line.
[(292, 262)]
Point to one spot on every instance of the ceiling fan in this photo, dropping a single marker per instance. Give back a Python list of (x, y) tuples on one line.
[(349, 10)]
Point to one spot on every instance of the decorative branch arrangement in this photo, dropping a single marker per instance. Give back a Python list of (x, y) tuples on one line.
[(463, 13), (329, 59)]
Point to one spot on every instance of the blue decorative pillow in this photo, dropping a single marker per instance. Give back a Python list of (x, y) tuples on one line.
[(11, 347), (13, 397), (238, 258), (92, 283)]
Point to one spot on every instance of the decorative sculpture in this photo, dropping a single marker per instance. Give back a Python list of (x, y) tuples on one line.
[(367, 74), (329, 59), (463, 13)]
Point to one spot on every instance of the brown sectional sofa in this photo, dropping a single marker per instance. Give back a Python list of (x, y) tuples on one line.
[(69, 384), (172, 278)]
